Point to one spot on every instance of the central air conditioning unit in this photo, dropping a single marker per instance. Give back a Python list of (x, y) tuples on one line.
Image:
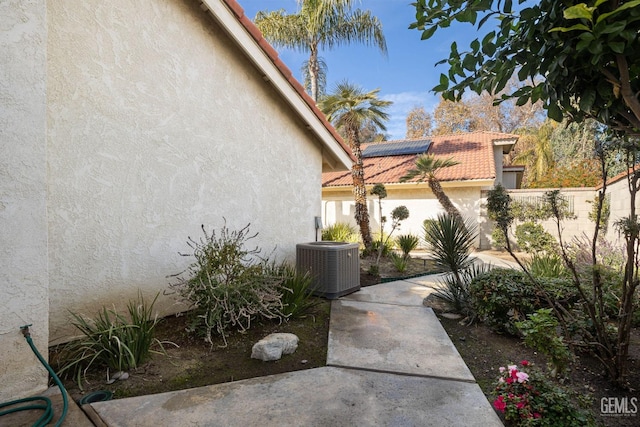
[(335, 267)]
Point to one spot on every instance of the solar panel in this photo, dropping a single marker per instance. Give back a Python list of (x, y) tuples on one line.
[(397, 148)]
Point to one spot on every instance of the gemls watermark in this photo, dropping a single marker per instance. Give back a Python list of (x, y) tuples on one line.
[(619, 406)]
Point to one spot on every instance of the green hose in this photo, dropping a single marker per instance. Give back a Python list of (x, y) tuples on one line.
[(46, 404)]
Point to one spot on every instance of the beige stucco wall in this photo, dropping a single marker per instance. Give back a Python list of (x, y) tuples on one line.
[(620, 207), (339, 206), (157, 125), (23, 233)]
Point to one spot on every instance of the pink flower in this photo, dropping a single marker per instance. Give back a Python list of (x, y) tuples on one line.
[(500, 380), (501, 369), (520, 405), (525, 363), (509, 380), (500, 404), (522, 377), (512, 368)]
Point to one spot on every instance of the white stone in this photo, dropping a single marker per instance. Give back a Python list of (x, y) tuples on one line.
[(273, 346)]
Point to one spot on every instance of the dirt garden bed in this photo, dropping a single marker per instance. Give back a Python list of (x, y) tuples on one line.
[(195, 363)]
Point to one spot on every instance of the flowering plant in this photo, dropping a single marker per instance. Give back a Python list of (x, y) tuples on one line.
[(530, 399), (515, 395)]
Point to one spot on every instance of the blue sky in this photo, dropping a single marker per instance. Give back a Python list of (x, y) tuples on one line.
[(405, 76)]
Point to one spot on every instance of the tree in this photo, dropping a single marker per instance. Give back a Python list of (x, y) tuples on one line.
[(320, 80), (536, 152), (320, 24), (453, 117), (371, 133), (348, 108), (587, 54), (398, 214), (479, 112), (505, 117), (584, 173), (426, 168), (581, 61), (418, 123), (573, 142)]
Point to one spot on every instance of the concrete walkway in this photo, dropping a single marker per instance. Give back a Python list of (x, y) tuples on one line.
[(389, 363)]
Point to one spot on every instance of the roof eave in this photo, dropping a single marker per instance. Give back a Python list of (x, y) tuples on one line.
[(481, 182), (506, 144), (335, 154)]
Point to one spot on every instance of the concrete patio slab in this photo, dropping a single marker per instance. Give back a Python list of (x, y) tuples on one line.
[(316, 397), (494, 260), (392, 338)]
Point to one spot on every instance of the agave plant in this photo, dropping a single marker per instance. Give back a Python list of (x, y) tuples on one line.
[(451, 240), (407, 243)]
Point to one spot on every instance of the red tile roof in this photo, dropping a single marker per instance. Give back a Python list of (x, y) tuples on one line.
[(633, 169), (252, 29), (474, 151)]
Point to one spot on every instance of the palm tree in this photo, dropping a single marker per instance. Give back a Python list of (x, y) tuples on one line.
[(349, 108), (320, 24), (426, 168), (536, 151)]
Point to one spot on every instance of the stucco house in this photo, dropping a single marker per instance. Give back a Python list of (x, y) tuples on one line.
[(480, 157), (125, 125)]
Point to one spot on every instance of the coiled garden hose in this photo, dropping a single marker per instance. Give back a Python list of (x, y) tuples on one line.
[(45, 403)]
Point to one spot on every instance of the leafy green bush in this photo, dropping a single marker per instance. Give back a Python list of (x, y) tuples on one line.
[(540, 333), (532, 238), (340, 232), (502, 297), (407, 243), (497, 239), (228, 285), (111, 340), (531, 399)]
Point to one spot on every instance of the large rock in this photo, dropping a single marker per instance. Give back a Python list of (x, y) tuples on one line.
[(273, 346)]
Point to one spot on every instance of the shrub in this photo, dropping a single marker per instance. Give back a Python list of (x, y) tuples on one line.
[(407, 243), (532, 238), (340, 232), (498, 239), (456, 292), (374, 270), (451, 240), (297, 292), (530, 399), (111, 340), (540, 333), (502, 297), (399, 262), (547, 265), (387, 246), (228, 285)]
